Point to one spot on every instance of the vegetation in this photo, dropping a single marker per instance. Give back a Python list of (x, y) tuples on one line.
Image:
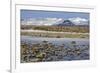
[(78, 29), (55, 35)]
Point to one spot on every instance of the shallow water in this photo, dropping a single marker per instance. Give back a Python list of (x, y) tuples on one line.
[(30, 39)]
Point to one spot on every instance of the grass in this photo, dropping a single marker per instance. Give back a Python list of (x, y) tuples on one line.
[(55, 35), (78, 29)]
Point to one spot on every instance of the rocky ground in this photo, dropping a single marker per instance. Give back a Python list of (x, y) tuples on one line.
[(45, 51)]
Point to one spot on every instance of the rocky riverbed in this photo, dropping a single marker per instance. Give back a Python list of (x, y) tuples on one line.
[(45, 51)]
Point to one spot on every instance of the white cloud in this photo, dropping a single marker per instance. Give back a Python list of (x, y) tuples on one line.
[(42, 21), (54, 21), (79, 21)]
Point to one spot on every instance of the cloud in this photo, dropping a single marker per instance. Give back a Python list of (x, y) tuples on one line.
[(79, 21), (42, 21), (54, 21)]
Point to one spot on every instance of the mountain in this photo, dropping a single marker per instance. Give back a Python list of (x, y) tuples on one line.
[(74, 22), (66, 23)]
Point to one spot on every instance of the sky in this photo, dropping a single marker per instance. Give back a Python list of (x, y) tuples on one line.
[(27, 14)]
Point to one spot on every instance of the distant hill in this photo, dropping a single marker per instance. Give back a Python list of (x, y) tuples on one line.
[(66, 23), (74, 22)]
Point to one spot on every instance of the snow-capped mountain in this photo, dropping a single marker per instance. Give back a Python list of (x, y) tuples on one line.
[(56, 21), (65, 23)]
